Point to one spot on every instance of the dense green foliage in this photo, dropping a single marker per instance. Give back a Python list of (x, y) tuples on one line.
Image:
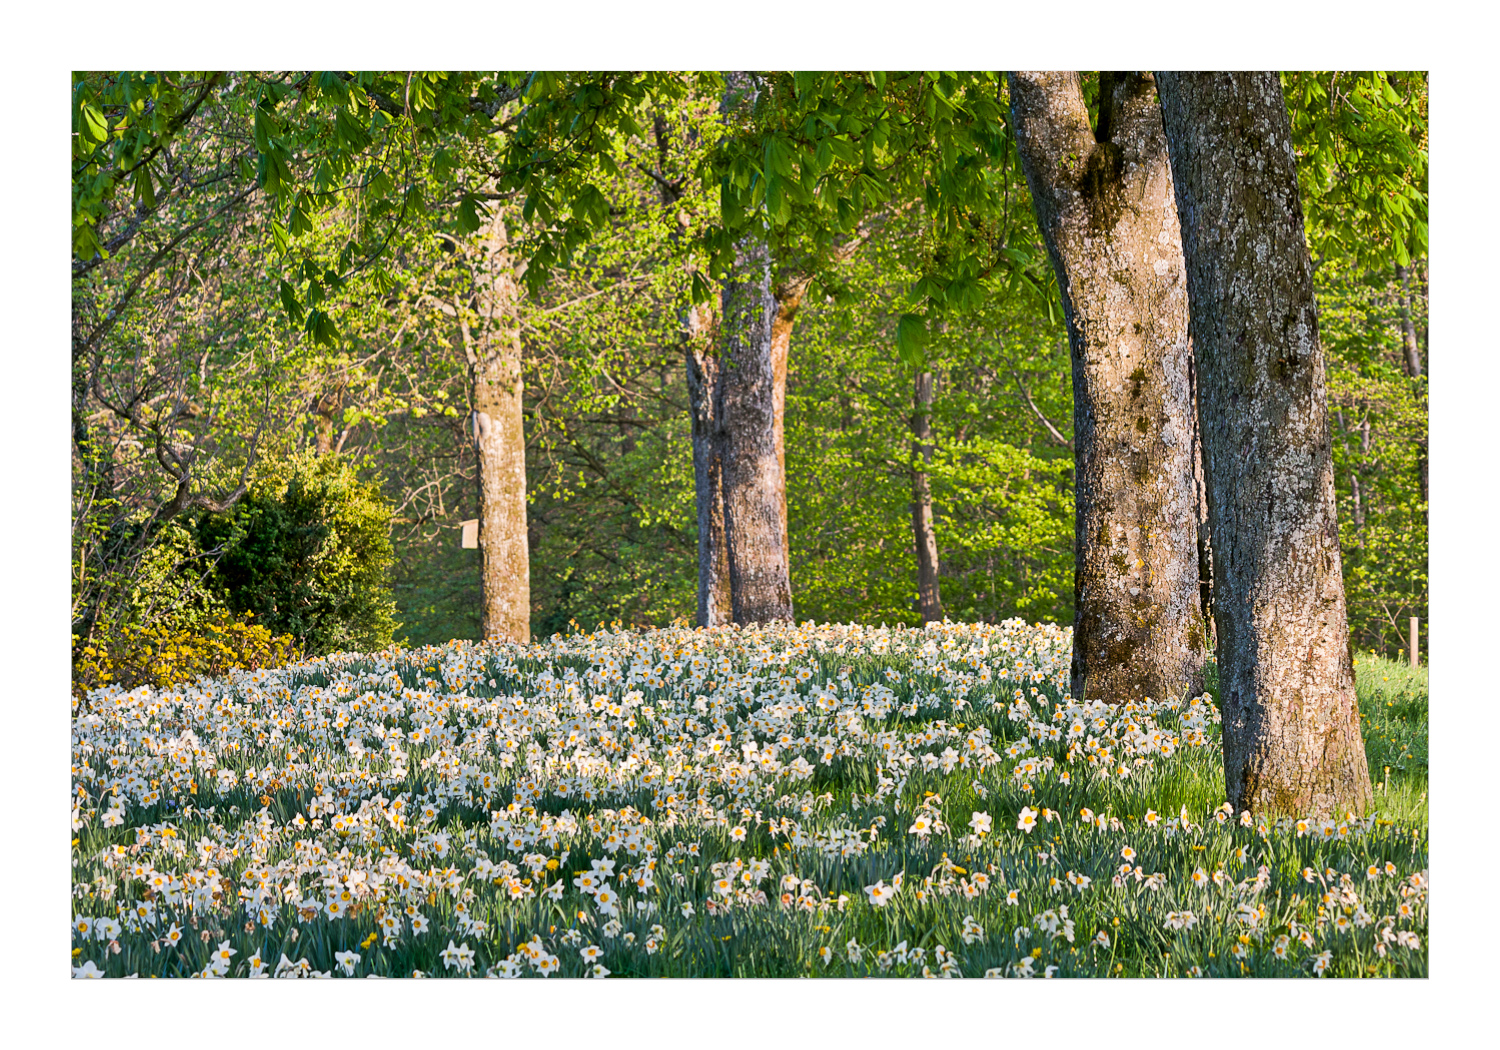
[(1001, 485), (1378, 416), (305, 553)]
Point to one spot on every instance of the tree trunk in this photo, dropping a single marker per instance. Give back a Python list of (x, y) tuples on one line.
[(1205, 535), (751, 449), (714, 606), (698, 334), (1292, 743), (929, 597), (737, 394), (1105, 205), (789, 295), (1413, 356), (327, 414), (494, 345), (1412, 360)]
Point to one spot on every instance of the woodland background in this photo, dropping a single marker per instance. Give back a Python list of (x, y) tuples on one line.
[(274, 438)]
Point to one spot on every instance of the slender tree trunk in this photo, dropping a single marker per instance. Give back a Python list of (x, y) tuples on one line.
[(1413, 363), (698, 333), (93, 485), (714, 606), (1205, 534), (1413, 355), (327, 414), (789, 294), (494, 344), (1292, 742), (929, 597), (1104, 201)]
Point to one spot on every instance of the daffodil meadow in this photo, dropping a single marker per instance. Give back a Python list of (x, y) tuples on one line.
[(814, 800)]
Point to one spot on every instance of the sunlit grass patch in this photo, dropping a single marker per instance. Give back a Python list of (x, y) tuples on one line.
[(1393, 716)]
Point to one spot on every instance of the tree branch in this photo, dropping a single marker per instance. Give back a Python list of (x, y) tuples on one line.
[(1052, 431)]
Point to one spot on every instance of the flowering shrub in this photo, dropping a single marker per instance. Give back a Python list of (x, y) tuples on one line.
[(814, 800), (165, 656)]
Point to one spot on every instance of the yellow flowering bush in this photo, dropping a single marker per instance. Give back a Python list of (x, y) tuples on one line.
[(166, 655)]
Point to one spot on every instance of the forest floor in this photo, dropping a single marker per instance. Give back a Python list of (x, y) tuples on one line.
[(815, 800)]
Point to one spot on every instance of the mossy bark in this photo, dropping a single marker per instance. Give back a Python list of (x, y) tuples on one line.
[(1292, 742), (1105, 205)]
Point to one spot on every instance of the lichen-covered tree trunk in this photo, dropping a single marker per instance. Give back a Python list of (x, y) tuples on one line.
[(751, 448), (1292, 742), (1105, 205), (929, 597), (494, 342)]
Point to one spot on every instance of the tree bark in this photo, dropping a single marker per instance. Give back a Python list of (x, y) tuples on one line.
[(1413, 355), (714, 606), (789, 294), (1412, 360), (698, 332), (1292, 743), (327, 414), (494, 346), (929, 596), (1105, 205), (1205, 534), (751, 448), (737, 396)]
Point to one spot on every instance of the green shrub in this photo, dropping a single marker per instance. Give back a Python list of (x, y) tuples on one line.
[(306, 553)]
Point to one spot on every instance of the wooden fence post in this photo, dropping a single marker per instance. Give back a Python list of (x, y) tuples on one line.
[(1414, 641)]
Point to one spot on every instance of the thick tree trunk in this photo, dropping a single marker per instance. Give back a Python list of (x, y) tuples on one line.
[(929, 597), (737, 396), (1292, 743), (751, 449), (1104, 201), (494, 344)]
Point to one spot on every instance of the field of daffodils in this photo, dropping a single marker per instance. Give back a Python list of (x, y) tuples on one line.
[(815, 800)]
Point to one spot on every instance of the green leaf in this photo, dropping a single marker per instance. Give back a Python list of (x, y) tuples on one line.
[(350, 130), (289, 303), (702, 290), (468, 215), (93, 126), (911, 339), (85, 244), (145, 192)]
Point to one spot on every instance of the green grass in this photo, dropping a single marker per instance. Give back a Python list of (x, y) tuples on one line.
[(1393, 716), (306, 817)]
